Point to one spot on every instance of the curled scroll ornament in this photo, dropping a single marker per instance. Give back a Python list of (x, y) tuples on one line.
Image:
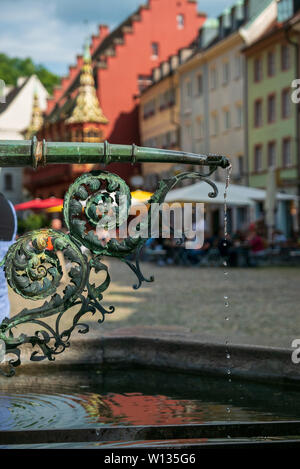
[(33, 270)]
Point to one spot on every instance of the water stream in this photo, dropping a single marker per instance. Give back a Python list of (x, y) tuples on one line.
[(226, 295)]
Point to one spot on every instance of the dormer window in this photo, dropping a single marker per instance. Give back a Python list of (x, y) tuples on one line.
[(240, 10), (227, 19), (285, 10)]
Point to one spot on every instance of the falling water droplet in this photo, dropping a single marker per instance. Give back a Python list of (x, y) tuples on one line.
[(225, 264)]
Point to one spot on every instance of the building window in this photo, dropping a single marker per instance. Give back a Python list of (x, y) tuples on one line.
[(226, 73), (238, 66), (271, 154), (257, 158), (271, 63), (286, 104), (180, 21), (165, 140), (166, 99), (286, 153), (8, 182), (149, 109), (227, 120), (213, 79), (239, 116), (258, 120), (199, 85), (189, 89), (172, 97), (258, 70), (161, 102), (174, 138), (271, 108), (285, 57), (188, 132), (240, 161), (215, 125), (200, 128), (155, 50)]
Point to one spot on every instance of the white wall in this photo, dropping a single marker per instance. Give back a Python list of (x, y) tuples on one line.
[(13, 122)]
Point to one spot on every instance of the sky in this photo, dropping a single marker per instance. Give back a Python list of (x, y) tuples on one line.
[(52, 32)]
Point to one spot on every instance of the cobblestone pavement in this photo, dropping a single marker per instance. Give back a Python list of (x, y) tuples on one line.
[(263, 303)]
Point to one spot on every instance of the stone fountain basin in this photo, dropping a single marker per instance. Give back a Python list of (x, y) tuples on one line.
[(173, 387)]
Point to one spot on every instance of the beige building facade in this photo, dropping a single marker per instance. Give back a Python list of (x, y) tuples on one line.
[(159, 117)]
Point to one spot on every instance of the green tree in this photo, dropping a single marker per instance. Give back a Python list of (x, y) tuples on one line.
[(34, 221), (11, 68)]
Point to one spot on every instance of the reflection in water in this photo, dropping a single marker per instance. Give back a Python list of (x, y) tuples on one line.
[(33, 411), (142, 397)]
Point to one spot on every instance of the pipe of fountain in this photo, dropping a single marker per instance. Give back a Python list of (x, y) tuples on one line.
[(36, 153)]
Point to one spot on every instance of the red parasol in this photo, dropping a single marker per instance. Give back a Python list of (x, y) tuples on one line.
[(39, 204)]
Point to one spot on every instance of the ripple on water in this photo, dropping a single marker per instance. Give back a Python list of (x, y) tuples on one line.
[(33, 411), (50, 411)]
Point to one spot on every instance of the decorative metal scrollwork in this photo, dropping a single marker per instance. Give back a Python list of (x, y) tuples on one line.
[(33, 270)]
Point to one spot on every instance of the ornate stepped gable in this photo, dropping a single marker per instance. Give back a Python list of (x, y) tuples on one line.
[(120, 57)]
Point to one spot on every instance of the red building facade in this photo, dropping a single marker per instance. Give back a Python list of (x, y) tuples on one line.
[(122, 61)]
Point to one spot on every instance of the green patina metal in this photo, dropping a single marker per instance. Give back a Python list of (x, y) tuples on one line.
[(34, 271)]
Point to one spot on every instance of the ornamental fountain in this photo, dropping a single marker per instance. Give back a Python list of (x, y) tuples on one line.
[(34, 272), (88, 398)]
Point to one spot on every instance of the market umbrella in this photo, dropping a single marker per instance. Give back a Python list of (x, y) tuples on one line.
[(140, 197), (39, 204), (137, 197), (55, 209)]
